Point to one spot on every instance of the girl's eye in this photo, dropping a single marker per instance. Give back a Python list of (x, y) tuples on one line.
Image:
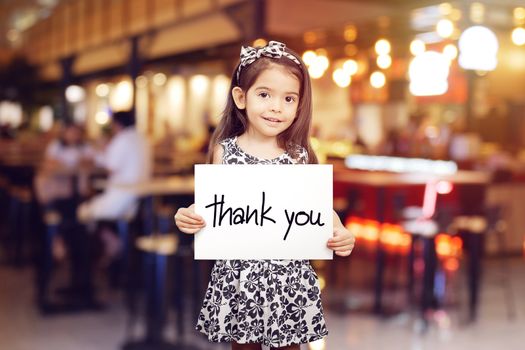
[(264, 94), (290, 99)]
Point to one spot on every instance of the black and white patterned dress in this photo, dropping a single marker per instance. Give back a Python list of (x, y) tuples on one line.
[(271, 302)]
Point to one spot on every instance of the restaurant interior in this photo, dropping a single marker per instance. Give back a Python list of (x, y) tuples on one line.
[(419, 106)]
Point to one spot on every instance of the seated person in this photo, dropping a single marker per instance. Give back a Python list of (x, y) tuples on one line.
[(127, 158), (64, 157)]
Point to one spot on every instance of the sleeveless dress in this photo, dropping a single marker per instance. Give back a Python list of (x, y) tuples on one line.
[(271, 302)]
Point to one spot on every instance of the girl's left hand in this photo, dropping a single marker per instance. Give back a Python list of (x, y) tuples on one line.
[(342, 242)]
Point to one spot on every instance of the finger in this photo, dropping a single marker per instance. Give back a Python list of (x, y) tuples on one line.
[(337, 239), (343, 253), (188, 220), (189, 214), (346, 242), (190, 226), (334, 240), (340, 238), (195, 216), (343, 248)]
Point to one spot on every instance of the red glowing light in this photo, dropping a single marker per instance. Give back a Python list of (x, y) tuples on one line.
[(451, 264)]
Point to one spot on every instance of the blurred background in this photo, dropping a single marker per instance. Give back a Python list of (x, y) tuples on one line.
[(418, 104)]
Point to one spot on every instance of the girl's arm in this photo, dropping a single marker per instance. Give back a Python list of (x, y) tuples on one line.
[(185, 218), (343, 240)]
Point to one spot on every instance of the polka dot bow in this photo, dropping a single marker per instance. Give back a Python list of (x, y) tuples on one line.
[(274, 49)]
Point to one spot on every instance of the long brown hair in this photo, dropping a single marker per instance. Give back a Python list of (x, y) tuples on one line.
[(234, 121)]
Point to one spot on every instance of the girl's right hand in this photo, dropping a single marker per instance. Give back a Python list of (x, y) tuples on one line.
[(187, 221)]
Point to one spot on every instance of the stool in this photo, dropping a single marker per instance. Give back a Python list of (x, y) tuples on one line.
[(157, 249), (473, 229), (425, 230), (164, 215)]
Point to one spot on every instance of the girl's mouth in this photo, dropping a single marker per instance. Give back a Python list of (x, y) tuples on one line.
[(273, 120)]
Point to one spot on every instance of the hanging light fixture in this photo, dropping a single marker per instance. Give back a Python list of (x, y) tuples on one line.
[(417, 46), (121, 97), (384, 61), (75, 93), (478, 47), (377, 79), (518, 36), (102, 90), (350, 66), (341, 78), (450, 51), (382, 47), (445, 28), (317, 62), (309, 57), (428, 73)]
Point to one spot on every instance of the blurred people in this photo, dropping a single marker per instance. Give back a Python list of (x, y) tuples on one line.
[(60, 184), (127, 158), (59, 177)]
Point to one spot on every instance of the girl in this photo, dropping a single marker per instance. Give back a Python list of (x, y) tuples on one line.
[(266, 121)]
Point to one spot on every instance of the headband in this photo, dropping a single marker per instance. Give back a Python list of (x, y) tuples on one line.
[(274, 49)]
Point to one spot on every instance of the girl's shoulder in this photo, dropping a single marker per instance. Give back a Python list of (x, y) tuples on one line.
[(299, 154), (227, 141), (227, 144), (222, 149)]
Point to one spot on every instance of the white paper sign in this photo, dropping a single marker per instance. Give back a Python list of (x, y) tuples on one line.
[(264, 211)]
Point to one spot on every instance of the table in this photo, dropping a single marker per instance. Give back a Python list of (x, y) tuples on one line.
[(385, 179), (382, 180), (160, 186)]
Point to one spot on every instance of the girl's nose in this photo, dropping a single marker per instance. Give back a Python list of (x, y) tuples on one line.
[(276, 106)]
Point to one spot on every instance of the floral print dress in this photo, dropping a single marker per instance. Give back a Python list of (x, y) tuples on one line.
[(271, 302)]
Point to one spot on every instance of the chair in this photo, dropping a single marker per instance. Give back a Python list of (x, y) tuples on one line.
[(423, 230), (475, 229)]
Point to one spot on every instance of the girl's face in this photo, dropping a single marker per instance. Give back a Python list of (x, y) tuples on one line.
[(271, 102)]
